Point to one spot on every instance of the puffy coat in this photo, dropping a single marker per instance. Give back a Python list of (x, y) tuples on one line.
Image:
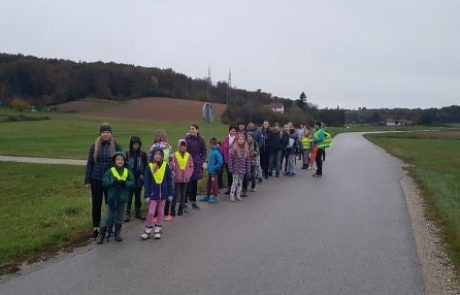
[(97, 166), (274, 141), (179, 175), (239, 165), (215, 162), (117, 194), (197, 149), (156, 191)]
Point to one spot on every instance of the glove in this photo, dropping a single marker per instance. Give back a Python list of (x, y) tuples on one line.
[(147, 201), (205, 165), (170, 198)]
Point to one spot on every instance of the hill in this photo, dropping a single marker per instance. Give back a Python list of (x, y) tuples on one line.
[(157, 109)]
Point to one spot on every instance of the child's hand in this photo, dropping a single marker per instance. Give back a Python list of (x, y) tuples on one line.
[(88, 186), (170, 198), (147, 201)]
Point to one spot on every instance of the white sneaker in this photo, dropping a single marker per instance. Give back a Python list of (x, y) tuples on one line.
[(157, 233)]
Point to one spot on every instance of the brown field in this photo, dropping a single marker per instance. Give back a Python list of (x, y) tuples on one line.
[(142, 109)]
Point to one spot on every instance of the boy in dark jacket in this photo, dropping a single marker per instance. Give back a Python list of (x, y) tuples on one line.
[(118, 181), (274, 143), (158, 188), (136, 162), (215, 164)]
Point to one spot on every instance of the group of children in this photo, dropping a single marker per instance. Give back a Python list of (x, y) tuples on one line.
[(170, 178)]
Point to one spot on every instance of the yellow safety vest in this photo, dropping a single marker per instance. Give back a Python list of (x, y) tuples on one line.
[(182, 160), (306, 141), (119, 177), (159, 174), (327, 140)]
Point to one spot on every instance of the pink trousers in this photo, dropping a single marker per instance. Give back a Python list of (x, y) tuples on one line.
[(159, 207)]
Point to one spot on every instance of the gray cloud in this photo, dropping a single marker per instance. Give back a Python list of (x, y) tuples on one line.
[(347, 53)]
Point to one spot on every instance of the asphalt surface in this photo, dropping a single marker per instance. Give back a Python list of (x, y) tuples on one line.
[(345, 233)]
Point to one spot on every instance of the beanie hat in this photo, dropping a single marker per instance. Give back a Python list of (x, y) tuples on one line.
[(118, 154), (105, 127)]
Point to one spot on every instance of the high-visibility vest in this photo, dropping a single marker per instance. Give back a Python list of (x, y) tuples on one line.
[(159, 174), (306, 142), (182, 160), (119, 177), (327, 140), (320, 144)]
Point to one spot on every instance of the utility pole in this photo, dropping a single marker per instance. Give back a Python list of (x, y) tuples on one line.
[(208, 82), (229, 87)]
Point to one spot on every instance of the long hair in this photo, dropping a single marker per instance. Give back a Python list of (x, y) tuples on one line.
[(98, 144), (240, 151), (160, 136)]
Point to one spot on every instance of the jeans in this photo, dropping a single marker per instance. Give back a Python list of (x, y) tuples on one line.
[(213, 186), (275, 161), (157, 207), (97, 193), (229, 177), (305, 157), (180, 191), (137, 200), (319, 162), (237, 185), (252, 176), (115, 215), (264, 161)]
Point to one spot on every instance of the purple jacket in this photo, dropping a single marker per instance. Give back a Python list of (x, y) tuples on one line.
[(181, 176), (197, 149), (239, 165)]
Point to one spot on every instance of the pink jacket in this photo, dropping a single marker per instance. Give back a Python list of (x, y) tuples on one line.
[(181, 176), (225, 149)]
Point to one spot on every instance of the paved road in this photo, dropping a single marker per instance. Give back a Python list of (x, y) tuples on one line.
[(42, 160), (347, 233)]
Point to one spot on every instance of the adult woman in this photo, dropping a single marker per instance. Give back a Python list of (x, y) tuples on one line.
[(99, 161), (227, 142), (196, 147)]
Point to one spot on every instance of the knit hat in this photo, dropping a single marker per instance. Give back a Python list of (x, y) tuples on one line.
[(105, 127)]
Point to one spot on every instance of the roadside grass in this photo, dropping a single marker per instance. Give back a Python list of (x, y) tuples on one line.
[(436, 169), (41, 206), (69, 136), (373, 128)]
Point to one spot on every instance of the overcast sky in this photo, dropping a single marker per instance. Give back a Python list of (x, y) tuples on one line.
[(351, 53)]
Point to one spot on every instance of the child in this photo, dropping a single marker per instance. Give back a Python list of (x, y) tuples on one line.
[(291, 151), (239, 164), (136, 162), (161, 141), (182, 166), (215, 163), (254, 154), (118, 181), (158, 189), (306, 147)]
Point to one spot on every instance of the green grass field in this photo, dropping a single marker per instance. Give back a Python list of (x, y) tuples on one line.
[(69, 136), (41, 206), (436, 160)]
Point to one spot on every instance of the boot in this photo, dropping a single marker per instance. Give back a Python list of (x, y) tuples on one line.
[(118, 237), (139, 214), (127, 216), (101, 235), (157, 232), (147, 232), (109, 233), (173, 211), (180, 211)]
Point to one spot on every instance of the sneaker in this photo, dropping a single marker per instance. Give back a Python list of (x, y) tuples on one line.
[(180, 211), (232, 199), (244, 195), (317, 175), (286, 174), (239, 199), (168, 218), (95, 234), (213, 200), (204, 199), (277, 175), (195, 206), (253, 189)]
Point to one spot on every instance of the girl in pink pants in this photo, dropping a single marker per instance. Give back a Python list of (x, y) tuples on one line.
[(158, 188)]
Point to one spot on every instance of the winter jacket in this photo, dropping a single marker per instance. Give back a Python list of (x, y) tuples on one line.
[(156, 191), (116, 193), (254, 153), (97, 166), (136, 161), (239, 165), (259, 138), (285, 141), (274, 141), (215, 162), (197, 149), (179, 175), (226, 147)]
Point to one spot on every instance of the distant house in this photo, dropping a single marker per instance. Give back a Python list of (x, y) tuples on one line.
[(401, 122), (276, 107)]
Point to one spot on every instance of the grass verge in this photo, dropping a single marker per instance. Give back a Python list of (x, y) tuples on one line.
[(435, 164)]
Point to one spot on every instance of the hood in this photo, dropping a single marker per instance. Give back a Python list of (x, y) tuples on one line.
[(135, 139)]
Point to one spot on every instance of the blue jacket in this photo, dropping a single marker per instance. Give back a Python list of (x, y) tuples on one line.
[(216, 161), (158, 191)]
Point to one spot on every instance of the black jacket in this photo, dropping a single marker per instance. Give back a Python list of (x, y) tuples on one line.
[(274, 141), (137, 162), (95, 168)]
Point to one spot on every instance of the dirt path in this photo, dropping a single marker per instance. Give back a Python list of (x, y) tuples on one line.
[(43, 160)]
